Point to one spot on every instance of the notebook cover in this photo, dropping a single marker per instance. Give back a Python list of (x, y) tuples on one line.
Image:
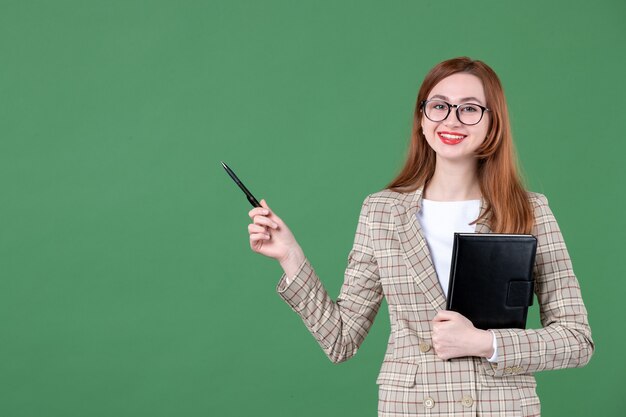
[(491, 278)]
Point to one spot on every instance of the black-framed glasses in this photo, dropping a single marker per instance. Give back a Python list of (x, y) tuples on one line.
[(439, 110)]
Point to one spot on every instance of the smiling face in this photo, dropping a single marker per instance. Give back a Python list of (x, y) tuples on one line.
[(450, 139)]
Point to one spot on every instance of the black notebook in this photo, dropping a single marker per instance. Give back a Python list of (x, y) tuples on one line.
[(491, 279)]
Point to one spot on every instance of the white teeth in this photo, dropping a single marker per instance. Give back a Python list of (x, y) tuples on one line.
[(451, 136)]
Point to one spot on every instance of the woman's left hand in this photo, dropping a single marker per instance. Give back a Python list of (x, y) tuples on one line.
[(455, 336)]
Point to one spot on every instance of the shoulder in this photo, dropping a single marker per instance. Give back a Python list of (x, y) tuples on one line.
[(377, 206), (382, 201), (537, 200), (384, 197), (539, 203), (544, 218)]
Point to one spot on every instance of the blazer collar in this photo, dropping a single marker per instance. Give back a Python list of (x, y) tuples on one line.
[(416, 252)]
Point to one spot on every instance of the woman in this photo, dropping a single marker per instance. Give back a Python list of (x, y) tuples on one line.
[(460, 175)]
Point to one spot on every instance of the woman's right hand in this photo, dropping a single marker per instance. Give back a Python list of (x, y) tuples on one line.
[(271, 237)]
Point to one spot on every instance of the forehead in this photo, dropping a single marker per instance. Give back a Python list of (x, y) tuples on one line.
[(458, 87)]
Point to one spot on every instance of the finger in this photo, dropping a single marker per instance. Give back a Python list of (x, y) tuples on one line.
[(271, 213), (259, 236), (438, 350), (264, 221), (258, 211), (266, 207), (434, 336), (445, 315), (441, 327), (439, 330), (440, 317), (255, 228)]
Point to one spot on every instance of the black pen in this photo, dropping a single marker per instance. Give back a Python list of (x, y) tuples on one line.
[(249, 195)]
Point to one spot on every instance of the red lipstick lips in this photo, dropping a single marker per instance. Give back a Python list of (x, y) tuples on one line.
[(451, 138)]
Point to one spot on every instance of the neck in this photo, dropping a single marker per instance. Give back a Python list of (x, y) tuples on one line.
[(454, 181)]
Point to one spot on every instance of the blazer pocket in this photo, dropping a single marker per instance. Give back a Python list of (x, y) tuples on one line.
[(399, 374)]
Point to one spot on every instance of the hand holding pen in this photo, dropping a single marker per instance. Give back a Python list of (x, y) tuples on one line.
[(269, 235)]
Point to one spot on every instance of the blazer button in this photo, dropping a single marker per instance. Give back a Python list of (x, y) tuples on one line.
[(467, 401), (424, 347), (429, 402)]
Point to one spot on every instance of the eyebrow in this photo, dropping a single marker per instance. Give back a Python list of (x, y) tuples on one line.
[(463, 100)]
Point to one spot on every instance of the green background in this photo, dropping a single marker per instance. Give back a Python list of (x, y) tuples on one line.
[(127, 286)]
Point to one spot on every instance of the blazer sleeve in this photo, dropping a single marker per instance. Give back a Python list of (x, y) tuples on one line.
[(565, 339), (339, 326)]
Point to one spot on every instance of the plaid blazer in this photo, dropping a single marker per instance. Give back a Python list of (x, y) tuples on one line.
[(390, 258)]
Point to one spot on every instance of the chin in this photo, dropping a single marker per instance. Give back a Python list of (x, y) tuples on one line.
[(455, 156)]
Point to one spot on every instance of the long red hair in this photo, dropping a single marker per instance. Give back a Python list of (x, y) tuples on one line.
[(508, 208)]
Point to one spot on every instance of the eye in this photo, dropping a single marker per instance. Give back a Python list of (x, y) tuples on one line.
[(437, 106), (469, 108)]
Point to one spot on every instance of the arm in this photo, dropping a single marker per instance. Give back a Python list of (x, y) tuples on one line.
[(565, 339), (339, 327)]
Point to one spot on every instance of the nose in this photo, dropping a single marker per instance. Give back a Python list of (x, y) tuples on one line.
[(452, 120)]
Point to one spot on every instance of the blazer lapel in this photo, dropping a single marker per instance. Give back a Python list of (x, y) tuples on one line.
[(416, 252)]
